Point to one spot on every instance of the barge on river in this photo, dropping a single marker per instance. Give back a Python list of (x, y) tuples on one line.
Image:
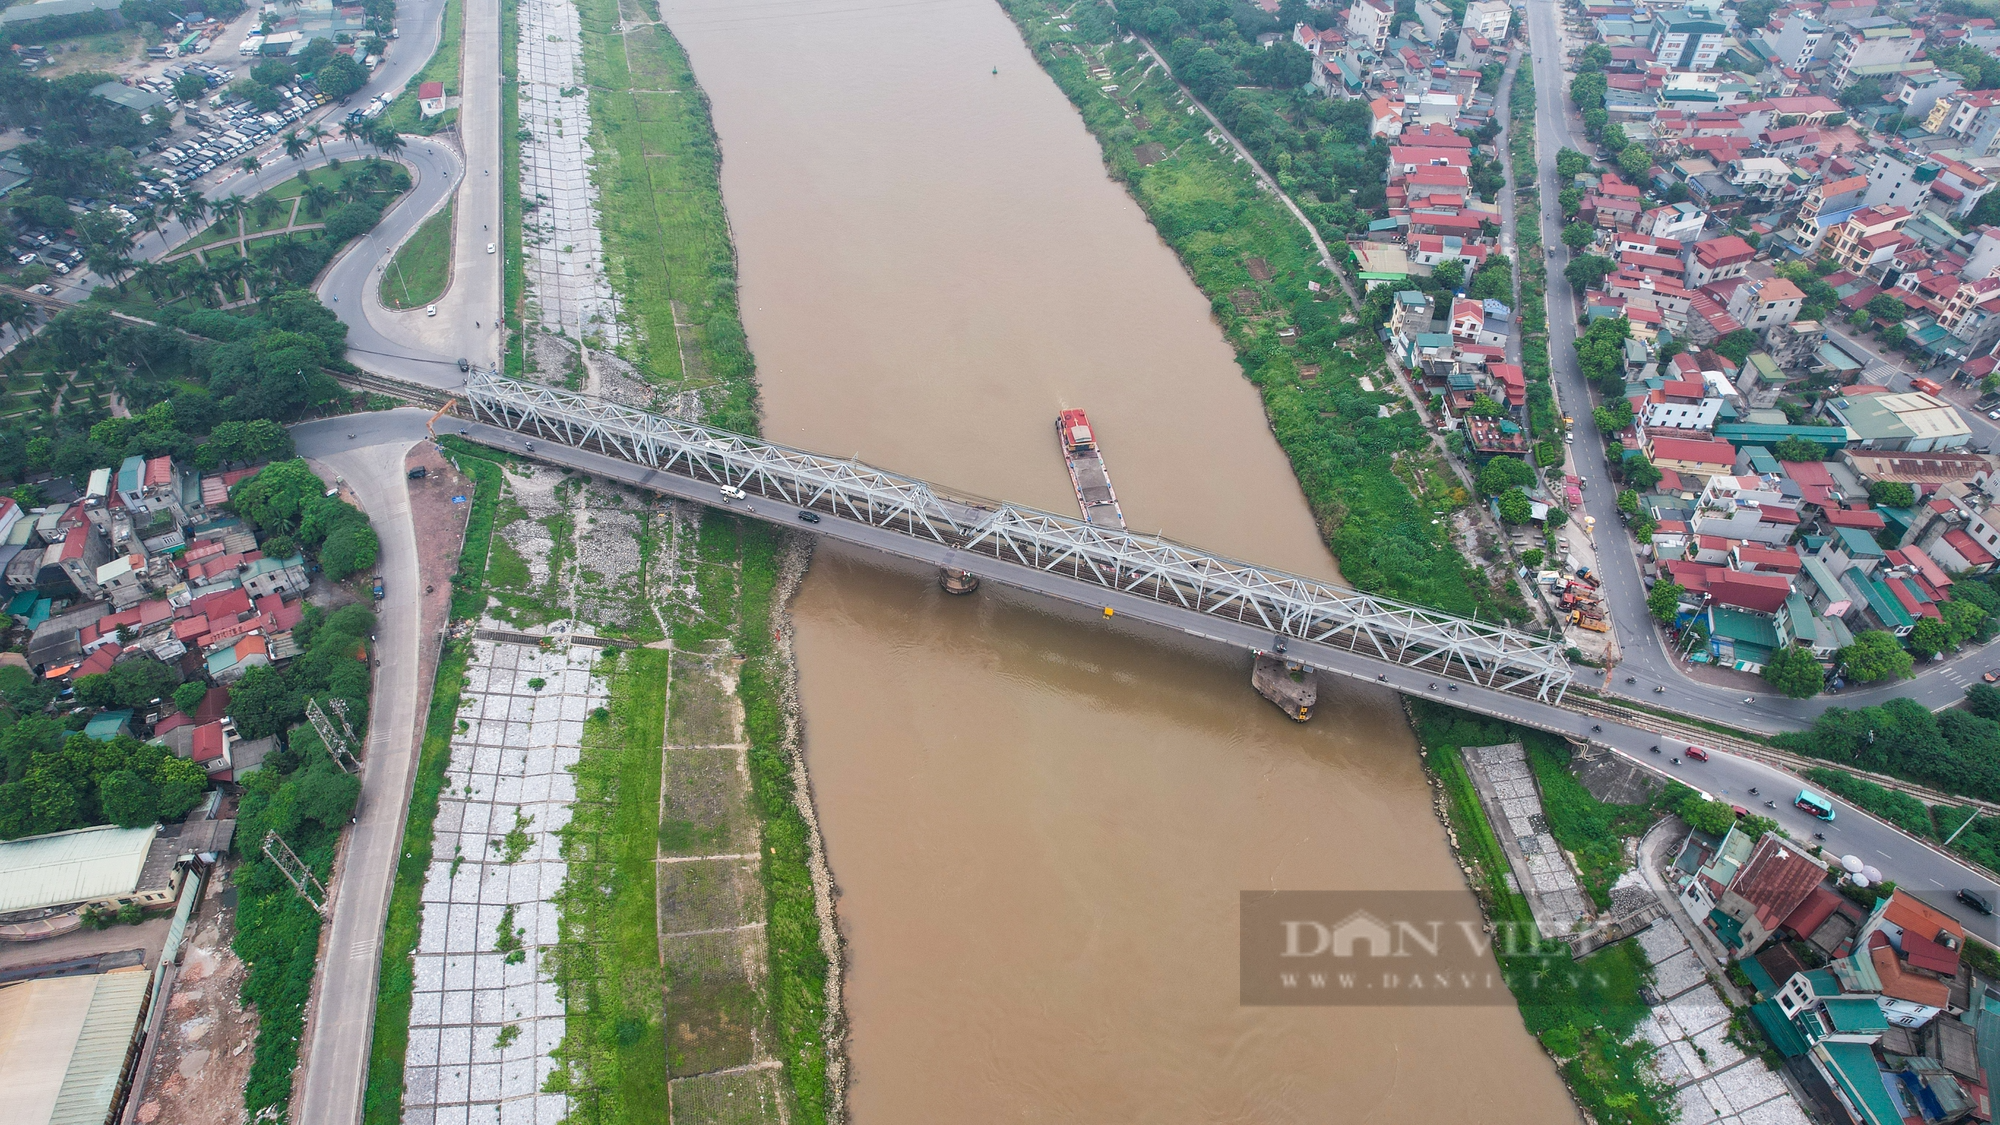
[(1094, 494)]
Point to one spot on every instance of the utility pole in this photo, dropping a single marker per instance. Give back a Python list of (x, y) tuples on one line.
[(296, 872), (336, 746)]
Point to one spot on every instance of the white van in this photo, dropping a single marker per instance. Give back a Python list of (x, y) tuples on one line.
[(731, 492)]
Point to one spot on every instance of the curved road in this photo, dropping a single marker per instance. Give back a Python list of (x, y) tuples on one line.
[(343, 1011)]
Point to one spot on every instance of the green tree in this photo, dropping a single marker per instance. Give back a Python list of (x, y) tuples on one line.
[(1752, 15), (1448, 276), (1891, 493), (1571, 163), (1703, 815), (1640, 472), (1737, 346), (1503, 473), (1636, 162), (1664, 599), (1798, 449), (1885, 307), (1585, 271), (1576, 236), (1875, 655), (188, 87), (1795, 671), (1963, 618), (188, 696), (1515, 507), (1930, 637), (1532, 558), (1613, 416), (128, 800)]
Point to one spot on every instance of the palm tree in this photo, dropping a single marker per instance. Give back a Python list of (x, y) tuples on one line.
[(389, 141), (318, 198), (191, 208), (229, 209), (356, 131), (295, 145), (318, 136), (250, 164), (266, 208)]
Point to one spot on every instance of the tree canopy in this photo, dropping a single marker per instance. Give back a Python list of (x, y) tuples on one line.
[(1795, 672), (1875, 655)]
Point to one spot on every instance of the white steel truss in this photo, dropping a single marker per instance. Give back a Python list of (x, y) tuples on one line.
[(1163, 571)]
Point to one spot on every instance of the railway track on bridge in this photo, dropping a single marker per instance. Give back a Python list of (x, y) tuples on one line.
[(1105, 560)]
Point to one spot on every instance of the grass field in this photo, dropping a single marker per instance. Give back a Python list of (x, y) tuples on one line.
[(421, 269), (666, 238), (607, 964), (402, 114)]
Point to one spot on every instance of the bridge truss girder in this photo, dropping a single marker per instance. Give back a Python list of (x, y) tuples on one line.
[(1146, 566)]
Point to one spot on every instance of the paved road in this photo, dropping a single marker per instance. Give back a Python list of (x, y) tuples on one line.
[(343, 1019)]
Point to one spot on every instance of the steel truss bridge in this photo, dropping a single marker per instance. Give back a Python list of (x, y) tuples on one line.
[(1149, 567)]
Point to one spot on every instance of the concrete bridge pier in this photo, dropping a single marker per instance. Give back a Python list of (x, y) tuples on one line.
[(956, 581), (1288, 683)]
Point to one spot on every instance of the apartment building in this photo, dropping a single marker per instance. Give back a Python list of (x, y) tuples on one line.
[(1368, 24), (1684, 41)]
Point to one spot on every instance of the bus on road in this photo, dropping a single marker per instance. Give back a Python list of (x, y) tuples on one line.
[(1815, 804)]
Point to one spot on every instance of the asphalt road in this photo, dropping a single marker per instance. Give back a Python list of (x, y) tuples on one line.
[(343, 1018)]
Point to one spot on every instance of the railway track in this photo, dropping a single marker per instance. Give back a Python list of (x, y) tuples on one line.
[(394, 388)]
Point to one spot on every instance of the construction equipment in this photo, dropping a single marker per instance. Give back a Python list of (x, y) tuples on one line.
[(431, 426)]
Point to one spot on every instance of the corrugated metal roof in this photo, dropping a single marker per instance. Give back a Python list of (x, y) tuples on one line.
[(63, 1044), (74, 866), (110, 1025)]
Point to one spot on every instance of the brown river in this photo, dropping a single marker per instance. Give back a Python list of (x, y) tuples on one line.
[(1039, 821)]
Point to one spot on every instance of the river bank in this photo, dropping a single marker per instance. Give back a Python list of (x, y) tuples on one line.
[(1585, 1014), (721, 589), (1379, 494)]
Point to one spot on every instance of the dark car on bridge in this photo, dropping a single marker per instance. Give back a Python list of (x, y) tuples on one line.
[(1976, 901)]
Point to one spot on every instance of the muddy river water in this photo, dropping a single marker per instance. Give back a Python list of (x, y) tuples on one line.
[(1040, 823)]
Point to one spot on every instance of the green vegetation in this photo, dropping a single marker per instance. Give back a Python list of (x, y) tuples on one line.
[(1210, 209), (288, 500), (53, 780), (383, 1101), (607, 964), (1795, 671), (1587, 828), (666, 237), (346, 200), (1899, 809), (305, 798), (402, 114), (1953, 751), (421, 269), (1584, 1015)]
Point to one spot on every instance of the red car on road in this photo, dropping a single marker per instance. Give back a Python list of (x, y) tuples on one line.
[(1697, 753)]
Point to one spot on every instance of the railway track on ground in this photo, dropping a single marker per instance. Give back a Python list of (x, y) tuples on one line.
[(415, 393)]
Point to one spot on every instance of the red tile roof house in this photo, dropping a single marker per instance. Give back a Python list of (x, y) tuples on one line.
[(1718, 258), (1771, 884), (1927, 938)]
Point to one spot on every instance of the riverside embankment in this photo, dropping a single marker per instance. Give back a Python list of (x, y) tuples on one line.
[(1041, 822)]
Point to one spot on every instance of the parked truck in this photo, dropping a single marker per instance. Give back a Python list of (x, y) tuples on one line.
[(378, 587)]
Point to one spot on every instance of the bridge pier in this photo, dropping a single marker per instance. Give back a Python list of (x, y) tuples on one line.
[(1287, 683), (956, 581)]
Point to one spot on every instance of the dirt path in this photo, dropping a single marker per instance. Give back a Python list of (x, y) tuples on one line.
[(202, 1060)]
